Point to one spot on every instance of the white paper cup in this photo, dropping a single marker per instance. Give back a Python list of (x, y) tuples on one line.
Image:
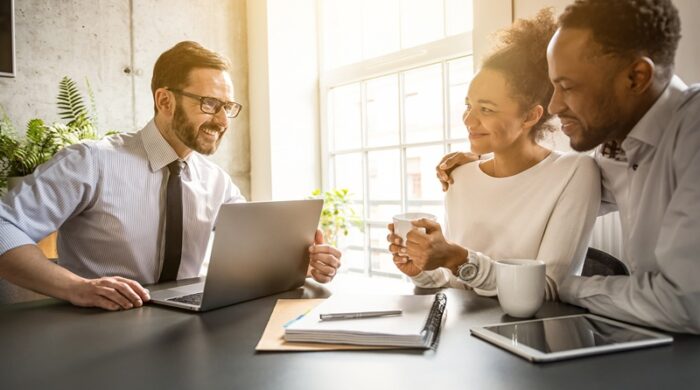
[(520, 285), (402, 223)]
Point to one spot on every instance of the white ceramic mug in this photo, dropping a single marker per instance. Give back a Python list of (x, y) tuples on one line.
[(402, 223), (520, 285)]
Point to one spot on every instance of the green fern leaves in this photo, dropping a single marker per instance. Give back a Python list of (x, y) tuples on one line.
[(70, 102), (20, 157)]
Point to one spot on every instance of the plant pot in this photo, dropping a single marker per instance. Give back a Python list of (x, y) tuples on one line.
[(48, 243)]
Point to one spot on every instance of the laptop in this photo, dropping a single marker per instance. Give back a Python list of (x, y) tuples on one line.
[(259, 249)]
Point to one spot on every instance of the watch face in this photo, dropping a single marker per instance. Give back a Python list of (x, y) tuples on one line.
[(468, 271)]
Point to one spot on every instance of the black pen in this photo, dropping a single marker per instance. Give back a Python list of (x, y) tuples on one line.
[(357, 315)]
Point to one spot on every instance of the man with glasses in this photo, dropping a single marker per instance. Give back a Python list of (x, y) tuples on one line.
[(135, 208)]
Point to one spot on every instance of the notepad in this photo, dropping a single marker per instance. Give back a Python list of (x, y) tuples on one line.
[(417, 327)]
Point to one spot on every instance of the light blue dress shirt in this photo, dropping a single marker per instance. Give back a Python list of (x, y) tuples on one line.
[(107, 201), (657, 191)]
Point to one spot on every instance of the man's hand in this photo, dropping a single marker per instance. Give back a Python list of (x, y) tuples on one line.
[(430, 250), (398, 252), (324, 260), (449, 163), (111, 293), (26, 266)]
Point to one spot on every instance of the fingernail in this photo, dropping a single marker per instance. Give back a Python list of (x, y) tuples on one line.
[(397, 241), (443, 166), (139, 303), (402, 250)]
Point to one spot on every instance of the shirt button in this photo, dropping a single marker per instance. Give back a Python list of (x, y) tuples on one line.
[(634, 167)]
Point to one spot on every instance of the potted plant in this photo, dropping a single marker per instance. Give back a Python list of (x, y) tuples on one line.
[(21, 156), (337, 214)]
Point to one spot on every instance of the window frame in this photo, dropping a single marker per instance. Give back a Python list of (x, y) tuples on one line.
[(442, 51)]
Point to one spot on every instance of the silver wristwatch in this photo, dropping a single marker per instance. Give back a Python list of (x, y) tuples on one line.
[(468, 271)]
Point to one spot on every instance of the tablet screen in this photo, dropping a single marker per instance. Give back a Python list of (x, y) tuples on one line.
[(564, 334)]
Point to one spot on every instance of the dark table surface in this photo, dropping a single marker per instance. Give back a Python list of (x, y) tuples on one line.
[(51, 344)]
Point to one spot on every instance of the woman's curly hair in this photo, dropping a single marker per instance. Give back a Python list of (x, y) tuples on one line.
[(521, 56)]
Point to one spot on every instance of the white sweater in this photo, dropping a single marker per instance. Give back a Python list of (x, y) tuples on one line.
[(545, 213)]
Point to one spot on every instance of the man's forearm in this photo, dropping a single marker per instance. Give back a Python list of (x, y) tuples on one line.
[(26, 266), (646, 299)]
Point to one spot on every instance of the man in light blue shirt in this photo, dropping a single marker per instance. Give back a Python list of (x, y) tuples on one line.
[(611, 63), (108, 198), (612, 68)]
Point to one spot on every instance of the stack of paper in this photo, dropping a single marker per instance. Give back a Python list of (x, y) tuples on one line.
[(416, 327)]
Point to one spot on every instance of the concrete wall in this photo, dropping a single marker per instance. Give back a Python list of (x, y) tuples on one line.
[(114, 44)]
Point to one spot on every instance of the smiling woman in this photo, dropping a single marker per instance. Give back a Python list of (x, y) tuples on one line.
[(526, 202)]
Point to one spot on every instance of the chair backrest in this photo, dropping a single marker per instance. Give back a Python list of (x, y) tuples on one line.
[(601, 263)]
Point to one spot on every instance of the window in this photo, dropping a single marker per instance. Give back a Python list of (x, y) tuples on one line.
[(395, 73)]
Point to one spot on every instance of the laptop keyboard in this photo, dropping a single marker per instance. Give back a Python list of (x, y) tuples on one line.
[(192, 299)]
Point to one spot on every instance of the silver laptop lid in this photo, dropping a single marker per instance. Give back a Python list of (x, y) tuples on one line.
[(260, 248)]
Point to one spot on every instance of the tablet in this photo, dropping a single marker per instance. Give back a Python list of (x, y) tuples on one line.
[(557, 338)]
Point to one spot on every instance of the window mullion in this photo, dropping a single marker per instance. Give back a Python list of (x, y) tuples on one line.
[(402, 141), (447, 115), (365, 177)]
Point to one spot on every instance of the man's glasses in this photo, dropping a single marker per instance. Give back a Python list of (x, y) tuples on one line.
[(211, 105)]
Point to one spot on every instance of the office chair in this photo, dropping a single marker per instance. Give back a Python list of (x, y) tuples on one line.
[(600, 263)]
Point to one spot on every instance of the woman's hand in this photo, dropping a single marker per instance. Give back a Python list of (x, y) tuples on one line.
[(430, 250), (398, 252)]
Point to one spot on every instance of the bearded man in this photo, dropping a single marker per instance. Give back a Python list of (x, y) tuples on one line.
[(111, 200)]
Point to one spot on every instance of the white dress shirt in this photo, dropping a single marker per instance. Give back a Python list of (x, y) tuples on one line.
[(107, 200), (657, 191), (544, 213)]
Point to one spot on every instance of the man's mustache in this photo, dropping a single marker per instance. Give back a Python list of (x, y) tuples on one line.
[(212, 127)]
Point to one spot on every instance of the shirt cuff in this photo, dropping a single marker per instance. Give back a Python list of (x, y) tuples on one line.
[(11, 237), (423, 280), (570, 288), (484, 264)]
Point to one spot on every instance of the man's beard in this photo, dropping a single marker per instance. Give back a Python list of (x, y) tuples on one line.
[(607, 125), (188, 135)]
